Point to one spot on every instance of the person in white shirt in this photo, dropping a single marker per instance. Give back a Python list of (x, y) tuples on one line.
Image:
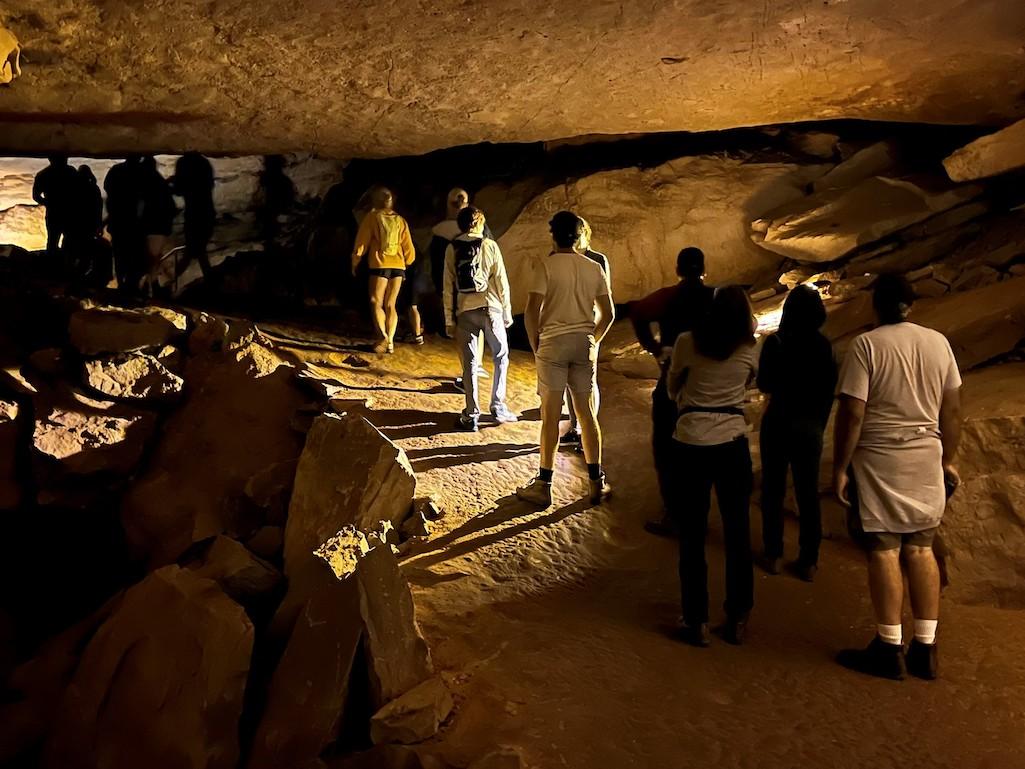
[(569, 311), (476, 300), (897, 433)]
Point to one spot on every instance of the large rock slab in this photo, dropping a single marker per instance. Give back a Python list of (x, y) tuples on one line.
[(641, 218), (991, 155), (306, 701), (233, 425), (397, 653), (99, 330), (984, 526), (349, 474), (161, 683), (133, 377), (831, 224)]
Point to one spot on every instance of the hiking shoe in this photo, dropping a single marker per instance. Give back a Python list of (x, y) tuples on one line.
[(665, 526), (694, 635), (600, 489), (734, 630), (922, 660), (467, 424), (412, 338), (537, 492), (804, 571), (503, 414), (381, 347), (877, 659), (771, 564), (570, 438)]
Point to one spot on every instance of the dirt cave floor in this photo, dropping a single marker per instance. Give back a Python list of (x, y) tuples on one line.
[(551, 626)]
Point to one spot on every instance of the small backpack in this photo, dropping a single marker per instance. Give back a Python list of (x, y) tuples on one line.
[(390, 234), (470, 275)]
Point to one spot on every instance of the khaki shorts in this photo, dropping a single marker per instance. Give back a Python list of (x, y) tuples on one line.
[(567, 360)]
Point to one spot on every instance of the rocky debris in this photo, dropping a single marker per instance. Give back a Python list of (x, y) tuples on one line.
[(833, 223), (158, 688), (980, 324), (991, 155), (306, 701), (397, 653), (240, 573), (643, 217), (349, 474), (100, 330), (984, 526), (267, 542), (876, 159), (231, 427), (415, 716), (86, 436), (342, 551), (133, 377), (10, 485), (271, 488), (416, 526)]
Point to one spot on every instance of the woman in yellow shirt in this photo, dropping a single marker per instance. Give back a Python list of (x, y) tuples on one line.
[(384, 239)]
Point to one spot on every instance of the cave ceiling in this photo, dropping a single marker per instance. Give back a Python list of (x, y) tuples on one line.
[(347, 79)]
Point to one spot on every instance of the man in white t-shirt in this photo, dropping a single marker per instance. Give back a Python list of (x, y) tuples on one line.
[(569, 311), (897, 432)]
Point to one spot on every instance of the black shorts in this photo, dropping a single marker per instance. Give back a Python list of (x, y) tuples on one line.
[(874, 541), (388, 273)]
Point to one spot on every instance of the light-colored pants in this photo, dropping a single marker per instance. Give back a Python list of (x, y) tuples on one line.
[(469, 325)]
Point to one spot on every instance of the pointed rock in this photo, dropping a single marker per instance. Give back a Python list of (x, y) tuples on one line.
[(413, 717), (133, 377), (991, 155)]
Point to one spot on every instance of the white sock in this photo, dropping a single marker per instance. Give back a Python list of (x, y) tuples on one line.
[(890, 634), (925, 630)]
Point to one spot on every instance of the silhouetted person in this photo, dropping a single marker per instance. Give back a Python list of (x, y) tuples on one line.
[(54, 189), (123, 185), (674, 309), (158, 212), (193, 181), (709, 372), (798, 373), (275, 197), (85, 222), (897, 433)]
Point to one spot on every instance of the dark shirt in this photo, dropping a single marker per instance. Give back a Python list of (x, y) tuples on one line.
[(194, 181), (55, 187), (799, 374), (676, 309)]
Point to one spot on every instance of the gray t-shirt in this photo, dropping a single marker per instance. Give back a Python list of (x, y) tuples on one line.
[(570, 285), (695, 380)]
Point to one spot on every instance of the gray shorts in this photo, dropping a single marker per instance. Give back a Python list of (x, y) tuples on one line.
[(567, 360)]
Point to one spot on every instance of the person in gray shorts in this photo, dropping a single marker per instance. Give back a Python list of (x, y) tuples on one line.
[(897, 433), (569, 311)]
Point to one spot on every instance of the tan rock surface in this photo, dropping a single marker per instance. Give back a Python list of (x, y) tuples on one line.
[(348, 79), (991, 155), (133, 377), (642, 218), (239, 572), (160, 684), (96, 330)]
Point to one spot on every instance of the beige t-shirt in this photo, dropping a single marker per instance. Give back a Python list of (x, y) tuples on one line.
[(570, 285), (901, 372), (695, 380)]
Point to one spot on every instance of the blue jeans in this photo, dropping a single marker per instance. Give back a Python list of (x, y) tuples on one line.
[(469, 326)]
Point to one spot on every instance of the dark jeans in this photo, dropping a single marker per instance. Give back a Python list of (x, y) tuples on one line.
[(663, 445), (727, 467), (797, 445)]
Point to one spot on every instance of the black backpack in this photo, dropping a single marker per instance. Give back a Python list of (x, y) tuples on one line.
[(470, 275)]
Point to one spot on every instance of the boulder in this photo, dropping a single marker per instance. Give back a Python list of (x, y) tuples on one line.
[(907, 257), (984, 526), (85, 436), (160, 684), (267, 542), (642, 218), (24, 227), (306, 701), (413, 717), (133, 377), (240, 573), (231, 426), (831, 224), (991, 155), (10, 484), (349, 474), (975, 276), (100, 330), (397, 653), (980, 324), (869, 161)]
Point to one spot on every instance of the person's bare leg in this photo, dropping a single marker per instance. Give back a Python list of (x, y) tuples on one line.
[(585, 405), (551, 412), (377, 288), (415, 323), (886, 584), (391, 296), (923, 582)]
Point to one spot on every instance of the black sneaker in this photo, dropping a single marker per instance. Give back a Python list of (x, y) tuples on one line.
[(571, 439), (734, 630), (771, 564), (923, 660), (694, 635), (666, 526), (878, 659), (804, 571), (467, 424)]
